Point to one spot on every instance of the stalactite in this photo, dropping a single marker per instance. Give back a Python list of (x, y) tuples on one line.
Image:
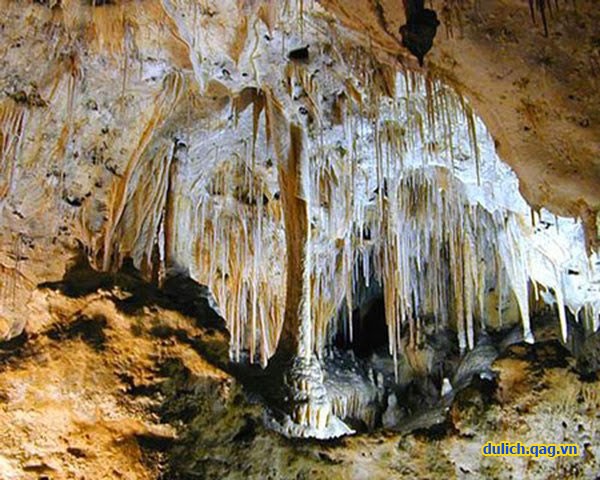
[(12, 125), (164, 104), (188, 34), (150, 197), (74, 76), (540, 6)]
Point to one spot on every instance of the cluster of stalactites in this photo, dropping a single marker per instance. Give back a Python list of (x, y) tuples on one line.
[(235, 230), (387, 205), (375, 211), (387, 170), (436, 260), (239, 252), (435, 254), (374, 214)]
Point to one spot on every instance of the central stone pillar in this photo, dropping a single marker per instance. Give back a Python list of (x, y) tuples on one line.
[(296, 335), (307, 401)]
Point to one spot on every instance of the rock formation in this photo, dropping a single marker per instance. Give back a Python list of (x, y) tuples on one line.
[(283, 166)]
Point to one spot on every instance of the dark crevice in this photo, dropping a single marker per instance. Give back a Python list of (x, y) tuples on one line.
[(88, 329), (369, 330), (15, 348), (420, 28), (299, 54)]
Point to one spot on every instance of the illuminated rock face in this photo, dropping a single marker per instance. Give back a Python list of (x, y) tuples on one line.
[(190, 139)]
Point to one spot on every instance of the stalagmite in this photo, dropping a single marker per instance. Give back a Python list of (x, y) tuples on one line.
[(311, 405)]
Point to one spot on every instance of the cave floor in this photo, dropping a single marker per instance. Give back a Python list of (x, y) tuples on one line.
[(124, 382)]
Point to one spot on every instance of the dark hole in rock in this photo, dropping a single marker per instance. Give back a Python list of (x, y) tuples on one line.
[(247, 431), (299, 54), (369, 329), (420, 29), (155, 442), (73, 200), (14, 344), (88, 329), (13, 348), (100, 3), (76, 452)]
